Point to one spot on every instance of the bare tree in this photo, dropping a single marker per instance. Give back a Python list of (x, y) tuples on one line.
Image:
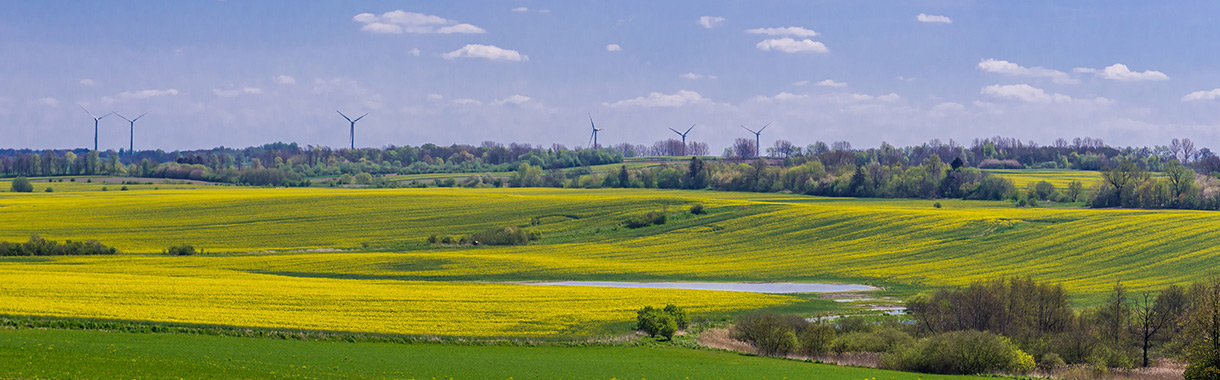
[(841, 146), (1175, 150), (1061, 143), (1188, 150), (695, 148), (783, 148), (1156, 313), (743, 148)]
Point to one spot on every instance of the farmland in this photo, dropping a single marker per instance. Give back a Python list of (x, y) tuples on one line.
[(101, 355)]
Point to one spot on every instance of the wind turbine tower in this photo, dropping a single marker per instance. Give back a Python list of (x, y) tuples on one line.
[(131, 143), (593, 137), (756, 146), (96, 119), (683, 134), (352, 133)]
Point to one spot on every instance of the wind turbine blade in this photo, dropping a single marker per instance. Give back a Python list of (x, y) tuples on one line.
[(87, 111), (344, 116), (675, 131), (100, 118), (121, 117), (692, 126), (361, 117), (764, 127), (591, 137), (138, 117), (748, 129), (594, 126)]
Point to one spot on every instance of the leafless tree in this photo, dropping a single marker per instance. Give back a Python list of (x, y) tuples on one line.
[(695, 148), (743, 148)]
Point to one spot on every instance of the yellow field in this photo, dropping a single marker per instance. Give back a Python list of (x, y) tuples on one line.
[(411, 289), (1058, 177)]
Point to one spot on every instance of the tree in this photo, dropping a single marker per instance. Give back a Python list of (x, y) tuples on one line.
[(1123, 178), (743, 148), (1154, 314), (1073, 190), (1181, 178), (1203, 331), (696, 175), (22, 185), (1114, 315)]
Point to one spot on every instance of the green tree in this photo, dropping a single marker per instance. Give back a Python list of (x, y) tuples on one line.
[(22, 185), (1181, 178), (1123, 178), (1203, 332)]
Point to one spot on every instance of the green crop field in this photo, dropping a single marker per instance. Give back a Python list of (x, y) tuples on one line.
[(102, 355)]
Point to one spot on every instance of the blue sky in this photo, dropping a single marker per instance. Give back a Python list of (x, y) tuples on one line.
[(240, 73)]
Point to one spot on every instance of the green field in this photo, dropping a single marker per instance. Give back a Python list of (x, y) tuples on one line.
[(103, 355)]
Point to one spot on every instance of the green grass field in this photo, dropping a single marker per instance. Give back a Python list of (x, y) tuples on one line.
[(61, 354)]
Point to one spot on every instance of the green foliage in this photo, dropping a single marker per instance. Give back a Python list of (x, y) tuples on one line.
[(180, 250), (49, 190), (663, 322), (37, 246), (22, 185), (510, 235), (363, 178), (775, 334), (880, 340), (697, 209), (645, 220), (960, 352)]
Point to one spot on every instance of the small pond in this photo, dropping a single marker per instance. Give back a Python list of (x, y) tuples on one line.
[(751, 287)]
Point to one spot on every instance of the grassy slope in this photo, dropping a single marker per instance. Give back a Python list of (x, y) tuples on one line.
[(102, 355)]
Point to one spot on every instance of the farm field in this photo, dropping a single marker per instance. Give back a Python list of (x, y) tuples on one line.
[(1058, 177), (103, 355)]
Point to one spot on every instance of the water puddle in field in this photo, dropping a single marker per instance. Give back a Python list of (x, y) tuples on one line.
[(750, 287)]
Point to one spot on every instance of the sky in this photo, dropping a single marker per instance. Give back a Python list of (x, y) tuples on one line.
[(242, 73)]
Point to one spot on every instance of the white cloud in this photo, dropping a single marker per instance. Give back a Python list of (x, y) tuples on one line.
[(890, 97), (710, 21), (800, 83), (831, 83), (1009, 68), (235, 91), (794, 31), (466, 102), (515, 99), (1024, 92), (86, 82), (414, 52), (490, 52), (694, 76), (614, 47), (861, 97), (1120, 72), (461, 29), (933, 19), (145, 94), (435, 97), (285, 79), (946, 107), (1202, 95), (521, 9), (789, 45), (544, 11), (781, 97), (656, 99), (399, 21), (48, 101)]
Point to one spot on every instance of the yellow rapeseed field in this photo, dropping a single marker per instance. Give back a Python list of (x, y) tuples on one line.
[(415, 289)]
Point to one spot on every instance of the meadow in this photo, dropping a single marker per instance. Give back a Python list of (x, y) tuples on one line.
[(105, 355)]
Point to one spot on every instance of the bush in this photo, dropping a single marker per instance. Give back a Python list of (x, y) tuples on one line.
[(697, 209), (22, 185), (505, 236), (37, 246), (180, 250), (775, 334), (49, 190), (815, 339), (645, 220), (882, 340), (936, 205), (1201, 371), (664, 322), (124, 188), (1051, 360), (960, 352)]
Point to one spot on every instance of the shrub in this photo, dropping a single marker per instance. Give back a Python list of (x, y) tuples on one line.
[(505, 236), (180, 250), (124, 188), (881, 340), (103, 188), (960, 352), (1051, 360), (22, 185), (37, 246), (49, 190), (664, 322), (645, 220), (697, 209), (815, 339), (936, 205), (1201, 371), (771, 333), (363, 178)]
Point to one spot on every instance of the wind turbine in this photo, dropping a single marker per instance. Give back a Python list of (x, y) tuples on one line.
[(352, 134), (132, 142), (96, 119), (593, 137), (756, 146), (683, 134)]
